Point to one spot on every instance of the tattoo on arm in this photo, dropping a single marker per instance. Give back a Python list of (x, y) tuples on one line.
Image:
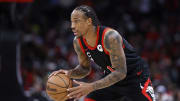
[(79, 72), (83, 68), (112, 42)]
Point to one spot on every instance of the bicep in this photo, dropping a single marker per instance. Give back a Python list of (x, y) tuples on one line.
[(83, 60), (82, 57), (113, 44)]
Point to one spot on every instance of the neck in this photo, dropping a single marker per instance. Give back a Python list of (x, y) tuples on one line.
[(91, 33), (91, 36)]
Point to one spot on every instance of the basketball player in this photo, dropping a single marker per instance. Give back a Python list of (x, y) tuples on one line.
[(126, 75)]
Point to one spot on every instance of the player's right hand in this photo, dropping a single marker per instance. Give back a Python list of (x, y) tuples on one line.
[(66, 72)]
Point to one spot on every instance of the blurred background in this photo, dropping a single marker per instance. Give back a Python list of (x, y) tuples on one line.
[(36, 39)]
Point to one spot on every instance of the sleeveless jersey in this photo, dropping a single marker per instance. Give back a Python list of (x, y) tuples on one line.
[(101, 57)]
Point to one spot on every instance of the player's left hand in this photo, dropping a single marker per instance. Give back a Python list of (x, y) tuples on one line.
[(82, 90)]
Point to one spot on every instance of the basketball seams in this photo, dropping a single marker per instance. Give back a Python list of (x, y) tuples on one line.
[(62, 80), (63, 83), (57, 93), (69, 83), (56, 84), (63, 97)]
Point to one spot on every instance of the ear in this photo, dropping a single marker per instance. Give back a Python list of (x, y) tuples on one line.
[(89, 21)]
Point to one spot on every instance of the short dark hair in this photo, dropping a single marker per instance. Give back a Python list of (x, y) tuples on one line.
[(90, 13)]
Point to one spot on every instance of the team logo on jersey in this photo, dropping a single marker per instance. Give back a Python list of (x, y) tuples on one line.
[(89, 55), (99, 47)]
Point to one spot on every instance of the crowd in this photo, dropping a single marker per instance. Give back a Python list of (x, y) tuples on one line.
[(151, 26)]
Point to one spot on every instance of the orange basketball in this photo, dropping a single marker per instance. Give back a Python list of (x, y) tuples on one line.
[(57, 85)]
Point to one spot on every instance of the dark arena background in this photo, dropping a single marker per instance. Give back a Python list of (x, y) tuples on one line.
[(36, 39)]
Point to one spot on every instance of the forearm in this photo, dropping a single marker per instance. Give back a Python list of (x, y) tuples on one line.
[(79, 72), (109, 80)]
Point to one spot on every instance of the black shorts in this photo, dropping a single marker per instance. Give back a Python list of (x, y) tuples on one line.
[(142, 91)]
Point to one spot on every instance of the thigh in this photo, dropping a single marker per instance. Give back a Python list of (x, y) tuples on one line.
[(145, 92), (142, 91)]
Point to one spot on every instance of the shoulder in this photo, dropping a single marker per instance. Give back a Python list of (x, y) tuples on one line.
[(78, 48), (109, 32), (112, 38), (112, 34)]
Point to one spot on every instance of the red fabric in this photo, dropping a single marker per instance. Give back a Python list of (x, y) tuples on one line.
[(139, 73), (144, 90), (89, 99), (81, 46), (108, 67)]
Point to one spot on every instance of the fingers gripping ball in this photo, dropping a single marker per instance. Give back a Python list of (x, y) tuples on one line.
[(57, 86)]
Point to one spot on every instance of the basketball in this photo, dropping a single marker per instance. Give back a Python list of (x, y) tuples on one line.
[(57, 86)]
